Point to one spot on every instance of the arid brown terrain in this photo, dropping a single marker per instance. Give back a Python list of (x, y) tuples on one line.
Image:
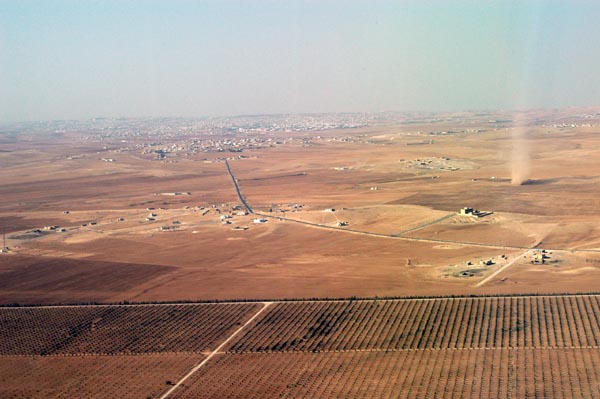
[(395, 192), (414, 206)]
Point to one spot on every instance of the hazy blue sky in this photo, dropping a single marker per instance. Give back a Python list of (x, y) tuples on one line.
[(78, 59)]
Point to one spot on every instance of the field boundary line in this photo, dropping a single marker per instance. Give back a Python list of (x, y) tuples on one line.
[(214, 352), (310, 300), (401, 350)]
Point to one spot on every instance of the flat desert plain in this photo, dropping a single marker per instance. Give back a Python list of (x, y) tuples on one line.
[(365, 212)]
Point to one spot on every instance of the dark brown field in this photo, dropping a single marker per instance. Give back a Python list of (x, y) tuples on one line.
[(30, 280), (108, 351), (118, 329), (466, 323)]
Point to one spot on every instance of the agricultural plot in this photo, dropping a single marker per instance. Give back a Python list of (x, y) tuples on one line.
[(446, 373), (51, 280), (119, 329), (447, 323), (123, 377), (480, 347)]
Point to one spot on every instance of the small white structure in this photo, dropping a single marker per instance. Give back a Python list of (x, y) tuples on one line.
[(258, 221)]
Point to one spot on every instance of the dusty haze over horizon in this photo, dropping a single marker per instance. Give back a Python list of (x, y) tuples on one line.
[(70, 60)]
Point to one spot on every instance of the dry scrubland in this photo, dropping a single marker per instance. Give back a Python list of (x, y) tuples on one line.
[(364, 212)]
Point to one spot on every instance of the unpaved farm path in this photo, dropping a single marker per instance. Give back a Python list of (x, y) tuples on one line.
[(217, 350)]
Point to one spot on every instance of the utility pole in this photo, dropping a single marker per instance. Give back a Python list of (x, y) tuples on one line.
[(4, 247)]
